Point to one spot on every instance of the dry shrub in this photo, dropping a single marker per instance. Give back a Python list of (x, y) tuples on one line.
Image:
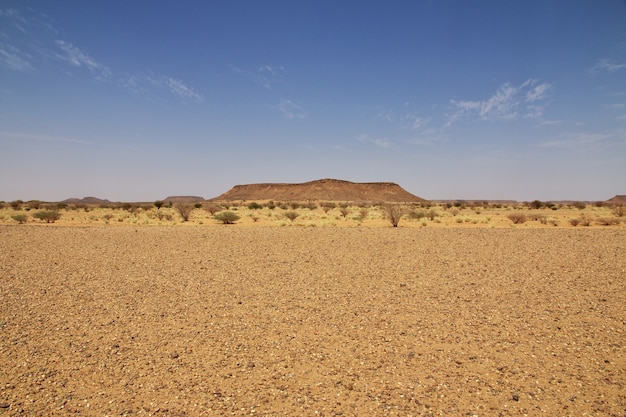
[(212, 208), (393, 213), (184, 209), (608, 221), (618, 210), (517, 218), (291, 215)]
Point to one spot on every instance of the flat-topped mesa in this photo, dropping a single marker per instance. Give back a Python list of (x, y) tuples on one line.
[(325, 189)]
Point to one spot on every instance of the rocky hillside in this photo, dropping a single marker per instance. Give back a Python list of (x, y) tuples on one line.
[(325, 189), (621, 199)]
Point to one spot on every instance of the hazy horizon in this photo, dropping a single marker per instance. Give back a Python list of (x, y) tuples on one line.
[(474, 100)]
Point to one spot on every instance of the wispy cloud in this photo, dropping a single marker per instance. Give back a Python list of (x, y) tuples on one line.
[(15, 18), (291, 110), (177, 87), (33, 46), (173, 85), (12, 58), (605, 65), (506, 103), (269, 74), (417, 122), (378, 142), (587, 141), (78, 58), (265, 75), (34, 136)]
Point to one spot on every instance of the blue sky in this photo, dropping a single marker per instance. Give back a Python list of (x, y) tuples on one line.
[(136, 101)]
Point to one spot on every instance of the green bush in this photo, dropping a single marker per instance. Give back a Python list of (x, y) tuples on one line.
[(20, 218), (227, 217), (49, 216), (254, 206)]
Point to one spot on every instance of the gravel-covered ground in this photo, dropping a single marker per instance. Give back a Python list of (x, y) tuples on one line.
[(293, 321)]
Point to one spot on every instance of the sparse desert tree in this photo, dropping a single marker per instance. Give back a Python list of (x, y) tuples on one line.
[(344, 212), (291, 215), (393, 213), (34, 204), (618, 210), (158, 204), (574, 222), (20, 218), (327, 206), (184, 209), (226, 217), (49, 216), (432, 213), (212, 209), (16, 205), (517, 218)]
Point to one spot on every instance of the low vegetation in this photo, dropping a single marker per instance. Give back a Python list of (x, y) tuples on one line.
[(227, 217), (49, 216), (320, 213), (20, 218), (394, 213)]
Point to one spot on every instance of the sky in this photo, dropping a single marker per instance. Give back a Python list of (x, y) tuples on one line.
[(450, 99)]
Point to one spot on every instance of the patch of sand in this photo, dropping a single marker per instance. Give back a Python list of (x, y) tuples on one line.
[(312, 321)]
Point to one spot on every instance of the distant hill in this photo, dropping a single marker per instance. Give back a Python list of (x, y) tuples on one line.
[(325, 189), (85, 200), (617, 199), (184, 198)]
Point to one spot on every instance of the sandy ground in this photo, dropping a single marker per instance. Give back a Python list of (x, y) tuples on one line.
[(273, 321)]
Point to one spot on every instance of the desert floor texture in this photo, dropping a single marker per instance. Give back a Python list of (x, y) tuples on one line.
[(294, 321)]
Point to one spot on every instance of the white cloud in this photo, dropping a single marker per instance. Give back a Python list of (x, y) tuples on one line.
[(291, 110), (179, 88), (16, 18), (175, 86), (268, 74), (550, 122), (12, 58), (75, 57), (587, 141), (418, 122), (622, 117), (537, 93), (265, 75), (505, 103), (605, 65), (379, 142)]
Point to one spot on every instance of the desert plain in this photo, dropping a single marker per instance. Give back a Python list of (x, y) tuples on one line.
[(215, 320)]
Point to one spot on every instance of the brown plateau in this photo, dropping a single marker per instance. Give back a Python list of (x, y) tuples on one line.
[(326, 189)]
